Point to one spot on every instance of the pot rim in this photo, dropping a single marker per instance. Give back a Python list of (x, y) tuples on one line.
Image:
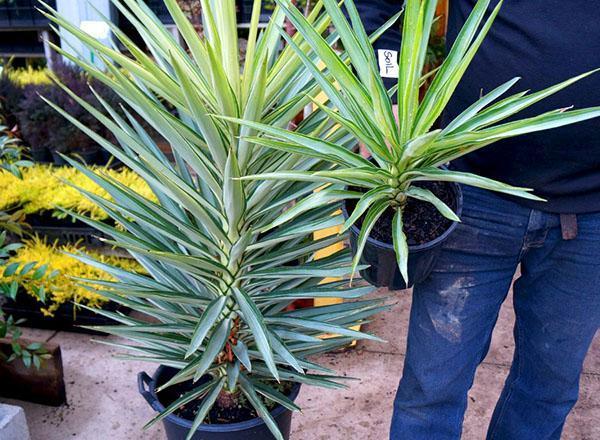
[(423, 246), (225, 427)]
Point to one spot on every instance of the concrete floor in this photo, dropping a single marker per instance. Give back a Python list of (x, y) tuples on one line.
[(104, 403)]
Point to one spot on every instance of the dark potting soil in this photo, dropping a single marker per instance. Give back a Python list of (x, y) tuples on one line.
[(422, 221), (241, 410)]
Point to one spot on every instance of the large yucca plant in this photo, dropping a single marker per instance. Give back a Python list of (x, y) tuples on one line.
[(405, 150), (219, 286)]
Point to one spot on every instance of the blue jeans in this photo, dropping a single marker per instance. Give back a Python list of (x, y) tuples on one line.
[(557, 308)]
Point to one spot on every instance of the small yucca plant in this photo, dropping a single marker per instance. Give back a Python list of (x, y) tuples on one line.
[(404, 150), (219, 286)]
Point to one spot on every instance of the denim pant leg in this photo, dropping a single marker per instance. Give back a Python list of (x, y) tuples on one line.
[(452, 317), (557, 305)]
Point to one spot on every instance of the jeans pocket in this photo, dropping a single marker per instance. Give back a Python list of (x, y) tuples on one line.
[(490, 225), (486, 205)]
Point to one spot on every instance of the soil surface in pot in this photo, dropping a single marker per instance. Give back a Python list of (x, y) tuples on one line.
[(422, 221), (240, 411)]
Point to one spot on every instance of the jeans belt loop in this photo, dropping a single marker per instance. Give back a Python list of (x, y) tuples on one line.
[(568, 226)]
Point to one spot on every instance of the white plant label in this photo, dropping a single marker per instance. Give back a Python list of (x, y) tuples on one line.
[(388, 63)]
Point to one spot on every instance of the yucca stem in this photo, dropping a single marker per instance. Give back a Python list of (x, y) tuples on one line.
[(228, 399)]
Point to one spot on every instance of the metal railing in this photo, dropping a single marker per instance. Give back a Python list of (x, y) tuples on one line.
[(22, 14)]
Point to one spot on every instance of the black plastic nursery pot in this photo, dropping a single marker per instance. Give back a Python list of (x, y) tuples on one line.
[(383, 268), (177, 428)]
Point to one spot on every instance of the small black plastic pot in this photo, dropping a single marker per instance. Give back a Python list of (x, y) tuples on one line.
[(383, 268), (178, 428)]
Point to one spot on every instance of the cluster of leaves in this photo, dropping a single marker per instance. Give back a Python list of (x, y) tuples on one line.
[(62, 287), (44, 189), (11, 164), (405, 150), (33, 353), (25, 76), (219, 287), (11, 279), (13, 274), (11, 153), (41, 128)]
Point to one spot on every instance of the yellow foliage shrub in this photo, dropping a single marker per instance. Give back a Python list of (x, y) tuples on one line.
[(29, 75), (43, 189), (62, 288)]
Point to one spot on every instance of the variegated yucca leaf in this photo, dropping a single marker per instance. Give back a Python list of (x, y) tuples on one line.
[(405, 149), (219, 285)]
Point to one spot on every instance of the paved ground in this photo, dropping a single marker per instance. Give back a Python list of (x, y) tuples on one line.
[(104, 403)]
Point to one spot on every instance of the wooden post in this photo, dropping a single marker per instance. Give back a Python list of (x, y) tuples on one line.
[(442, 12)]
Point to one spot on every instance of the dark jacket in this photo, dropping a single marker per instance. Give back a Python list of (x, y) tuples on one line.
[(544, 42)]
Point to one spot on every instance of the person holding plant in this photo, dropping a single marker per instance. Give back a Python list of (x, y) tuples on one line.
[(556, 243)]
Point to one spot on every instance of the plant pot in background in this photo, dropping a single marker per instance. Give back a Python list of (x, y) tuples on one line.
[(177, 428), (45, 386), (383, 268)]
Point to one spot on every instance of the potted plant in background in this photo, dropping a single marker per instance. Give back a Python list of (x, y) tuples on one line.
[(232, 355), (60, 309), (29, 370), (409, 202), (18, 356), (11, 348)]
